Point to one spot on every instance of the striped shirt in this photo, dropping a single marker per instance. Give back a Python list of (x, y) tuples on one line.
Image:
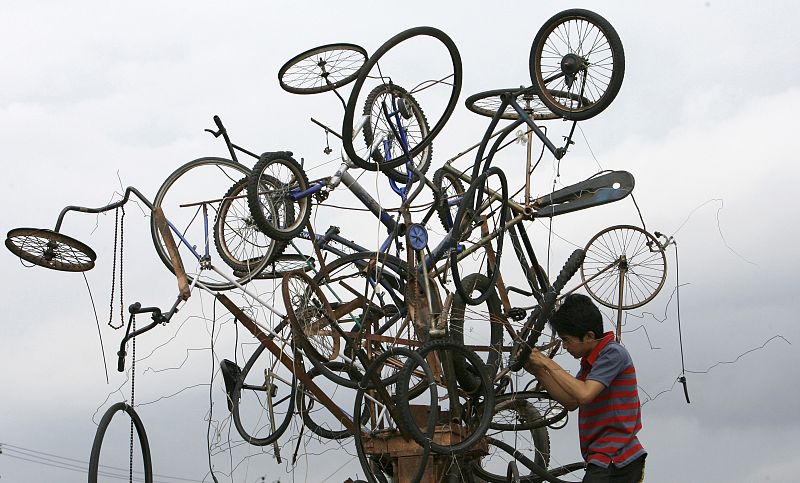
[(608, 425)]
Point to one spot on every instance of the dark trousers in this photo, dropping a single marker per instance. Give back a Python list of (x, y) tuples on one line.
[(633, 472)]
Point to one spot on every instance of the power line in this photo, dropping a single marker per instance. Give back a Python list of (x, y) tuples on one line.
[(73, 464)]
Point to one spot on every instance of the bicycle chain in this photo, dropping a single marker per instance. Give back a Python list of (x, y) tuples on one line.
[(119, 231)]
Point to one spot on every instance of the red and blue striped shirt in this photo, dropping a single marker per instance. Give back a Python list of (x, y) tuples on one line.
[(608, 425)]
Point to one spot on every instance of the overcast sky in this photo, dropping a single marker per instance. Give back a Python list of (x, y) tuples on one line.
[(97, 96)]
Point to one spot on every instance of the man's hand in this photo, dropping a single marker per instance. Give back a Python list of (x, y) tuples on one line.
[(536, 361)]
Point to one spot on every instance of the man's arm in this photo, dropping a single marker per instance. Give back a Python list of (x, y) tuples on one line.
[(565, 388)]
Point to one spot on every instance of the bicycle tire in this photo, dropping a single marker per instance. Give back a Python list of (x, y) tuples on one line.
[(94, 458), (50, 249), (449, 188), (469, 211), (556, 67), (309, 72), (487, 104), (544, 310), (349, 116), (550, 410), (168, 194), (433, 414), (274, 210), (478, 423), (311, 317), (539, 443), (240, 243), (320, 429), (541, 474), (466, 379), (393, 274), (276, 426), (417, 126), (645, 272)]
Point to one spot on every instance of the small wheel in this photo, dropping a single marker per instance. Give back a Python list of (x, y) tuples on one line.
[(273, 196), (263, 398), (311, 317), (238, 240), (136, 422), (409, 121), (438, 89), (484, 204), (451, 194), (509, 413), (190, 197), (50, 249), (578, 52), (322, 69), (628, 250)]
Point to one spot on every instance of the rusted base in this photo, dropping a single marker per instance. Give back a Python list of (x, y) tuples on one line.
[(406, 454)]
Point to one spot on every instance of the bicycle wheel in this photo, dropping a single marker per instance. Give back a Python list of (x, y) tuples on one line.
[(263, 398), (451, 194), (274, 196), (281, 264), (469, 412), (475, 327), (487, 104), (438, 91), (316, 417), (409, 122), (105, 421), (377, 466), (580, 53), (484, 204), (311, 317), (510, 413), (624, 254), (238, 240), (322, 68), (50, 249), (494, 466), (542, 312), (189, 197)]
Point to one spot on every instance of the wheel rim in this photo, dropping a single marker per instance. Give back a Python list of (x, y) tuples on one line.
[(50, 249), (645, 272), (322, 69)]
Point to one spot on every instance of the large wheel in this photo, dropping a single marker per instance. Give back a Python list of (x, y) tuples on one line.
[(192, 189), (322, 69), (238, 240), (105, 421), (436, 75), (263, 398), (50, 249), (311, 316), (272, 195), (629, 253), (484, 202), (479, 327), (368, 294), (577, 52), (536, 442), (473, 414), (316, 416), (409, 121)]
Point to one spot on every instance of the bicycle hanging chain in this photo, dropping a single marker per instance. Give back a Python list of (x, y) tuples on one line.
[(133, 384), (119, 231)]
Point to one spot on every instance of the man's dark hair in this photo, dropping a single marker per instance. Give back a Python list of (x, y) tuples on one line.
[(577, 316)]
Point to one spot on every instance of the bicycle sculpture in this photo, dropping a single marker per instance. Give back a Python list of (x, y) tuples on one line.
[(422, 331)]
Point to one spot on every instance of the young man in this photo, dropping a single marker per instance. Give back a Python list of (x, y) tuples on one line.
[(604, 391)]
